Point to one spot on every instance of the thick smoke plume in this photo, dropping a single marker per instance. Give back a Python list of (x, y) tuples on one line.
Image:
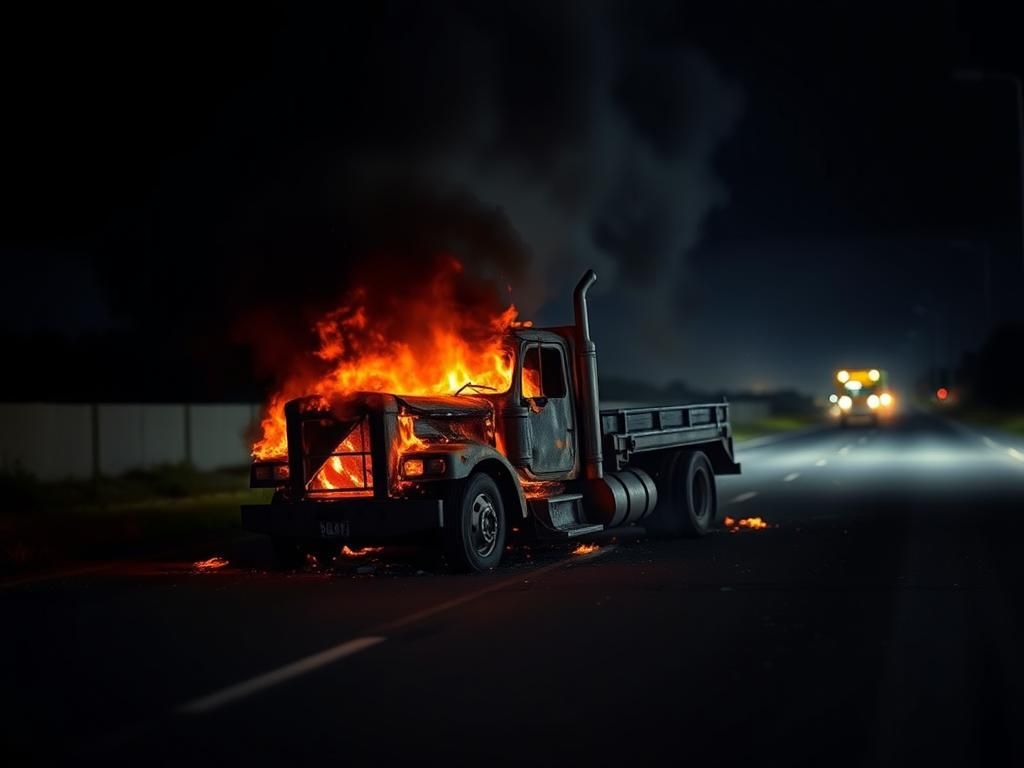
[(527, 140)]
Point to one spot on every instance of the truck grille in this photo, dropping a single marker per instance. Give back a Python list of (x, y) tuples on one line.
[(337, 466)]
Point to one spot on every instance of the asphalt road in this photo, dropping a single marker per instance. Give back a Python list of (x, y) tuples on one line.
[(876, 621)]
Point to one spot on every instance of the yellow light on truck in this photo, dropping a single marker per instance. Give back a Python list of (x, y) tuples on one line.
[(845, 402), (873, 374), (412, 467), (886, 399), (873, 401), (843, 376)]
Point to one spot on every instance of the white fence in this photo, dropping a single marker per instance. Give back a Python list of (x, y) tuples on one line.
[(56, 441)]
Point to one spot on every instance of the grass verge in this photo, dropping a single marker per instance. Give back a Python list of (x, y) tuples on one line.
[(170, 509), (1007, 421), (771, 425)]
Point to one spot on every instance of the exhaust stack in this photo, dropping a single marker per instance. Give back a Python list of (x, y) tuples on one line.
[(586, 367)]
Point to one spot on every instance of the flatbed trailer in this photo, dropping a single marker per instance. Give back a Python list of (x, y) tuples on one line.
[(541, 458)]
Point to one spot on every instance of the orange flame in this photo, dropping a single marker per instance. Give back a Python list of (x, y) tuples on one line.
[(541, 489), (753, 523), (426, 344), (585, 549), (212, 564), (347, 551)]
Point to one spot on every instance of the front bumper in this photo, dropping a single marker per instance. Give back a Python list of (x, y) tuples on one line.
[(345, 519)]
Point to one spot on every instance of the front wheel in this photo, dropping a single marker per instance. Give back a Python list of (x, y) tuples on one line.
[(475, 527)]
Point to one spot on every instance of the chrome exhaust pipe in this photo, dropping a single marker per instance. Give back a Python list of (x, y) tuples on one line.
[(586, 369)]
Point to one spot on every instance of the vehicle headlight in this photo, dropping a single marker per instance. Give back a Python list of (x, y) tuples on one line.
[(874, 374), (843, 376), (845, 402), (873, 401), (886, 399), (424, 466)]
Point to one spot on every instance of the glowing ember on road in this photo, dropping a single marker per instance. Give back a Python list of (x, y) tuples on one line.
[(347, 551), (211, 564), (753, 523), (585, 549)]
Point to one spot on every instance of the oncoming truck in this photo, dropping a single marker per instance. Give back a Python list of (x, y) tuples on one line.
[(472, 467), (861, 394)]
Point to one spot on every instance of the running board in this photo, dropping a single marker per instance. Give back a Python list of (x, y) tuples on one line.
[(561, 517)]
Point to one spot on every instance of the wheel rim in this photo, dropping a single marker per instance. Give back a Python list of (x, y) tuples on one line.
[(701, 494), (484, 525)]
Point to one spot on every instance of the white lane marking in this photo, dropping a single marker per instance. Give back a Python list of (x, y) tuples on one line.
[(744, 497), (280, 675), (844, 450), (821, 462), (457, 601), (1016, 454), (991, 443), (791, 477), (253, 685)]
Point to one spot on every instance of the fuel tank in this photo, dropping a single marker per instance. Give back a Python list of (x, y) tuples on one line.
[(620, 498)]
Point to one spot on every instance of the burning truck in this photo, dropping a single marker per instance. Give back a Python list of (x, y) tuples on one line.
[(522, 446)]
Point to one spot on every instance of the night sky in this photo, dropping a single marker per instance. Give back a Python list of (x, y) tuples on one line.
[(766, 190)]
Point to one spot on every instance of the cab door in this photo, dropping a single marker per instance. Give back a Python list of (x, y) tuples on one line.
[(545, 391)]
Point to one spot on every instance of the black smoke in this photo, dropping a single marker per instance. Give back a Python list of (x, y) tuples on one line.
[(240, 177)]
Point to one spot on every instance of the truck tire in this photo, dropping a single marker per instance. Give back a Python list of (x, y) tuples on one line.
[(475, 526), (687, 498)]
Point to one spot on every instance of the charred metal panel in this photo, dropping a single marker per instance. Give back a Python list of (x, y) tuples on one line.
[(551, 437), (382, 428), (463, 405), (515, 423)]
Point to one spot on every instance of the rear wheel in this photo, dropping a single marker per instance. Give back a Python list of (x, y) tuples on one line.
[(475, 528), (687, 497)]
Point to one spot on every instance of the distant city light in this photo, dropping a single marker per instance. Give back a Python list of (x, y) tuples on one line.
[(942, 393), (833, 398)]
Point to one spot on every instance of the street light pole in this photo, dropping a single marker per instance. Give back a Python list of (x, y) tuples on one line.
[(974, 76)]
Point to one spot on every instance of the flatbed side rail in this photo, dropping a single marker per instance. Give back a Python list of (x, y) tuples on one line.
[(628, 431)]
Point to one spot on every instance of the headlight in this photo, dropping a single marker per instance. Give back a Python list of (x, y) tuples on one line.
[(845, 402), (420, 467), (843, 376), (833, 398), (872, 401), (886, 399), (268, 474), (874, 375)]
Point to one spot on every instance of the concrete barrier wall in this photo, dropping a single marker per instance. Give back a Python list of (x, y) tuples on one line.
[(57, 441)]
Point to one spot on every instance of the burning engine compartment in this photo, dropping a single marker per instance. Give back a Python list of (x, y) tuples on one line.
[(426, 362)]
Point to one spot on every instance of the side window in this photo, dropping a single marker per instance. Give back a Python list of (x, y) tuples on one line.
[(543, 373), (552, 372), (531, 372)]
